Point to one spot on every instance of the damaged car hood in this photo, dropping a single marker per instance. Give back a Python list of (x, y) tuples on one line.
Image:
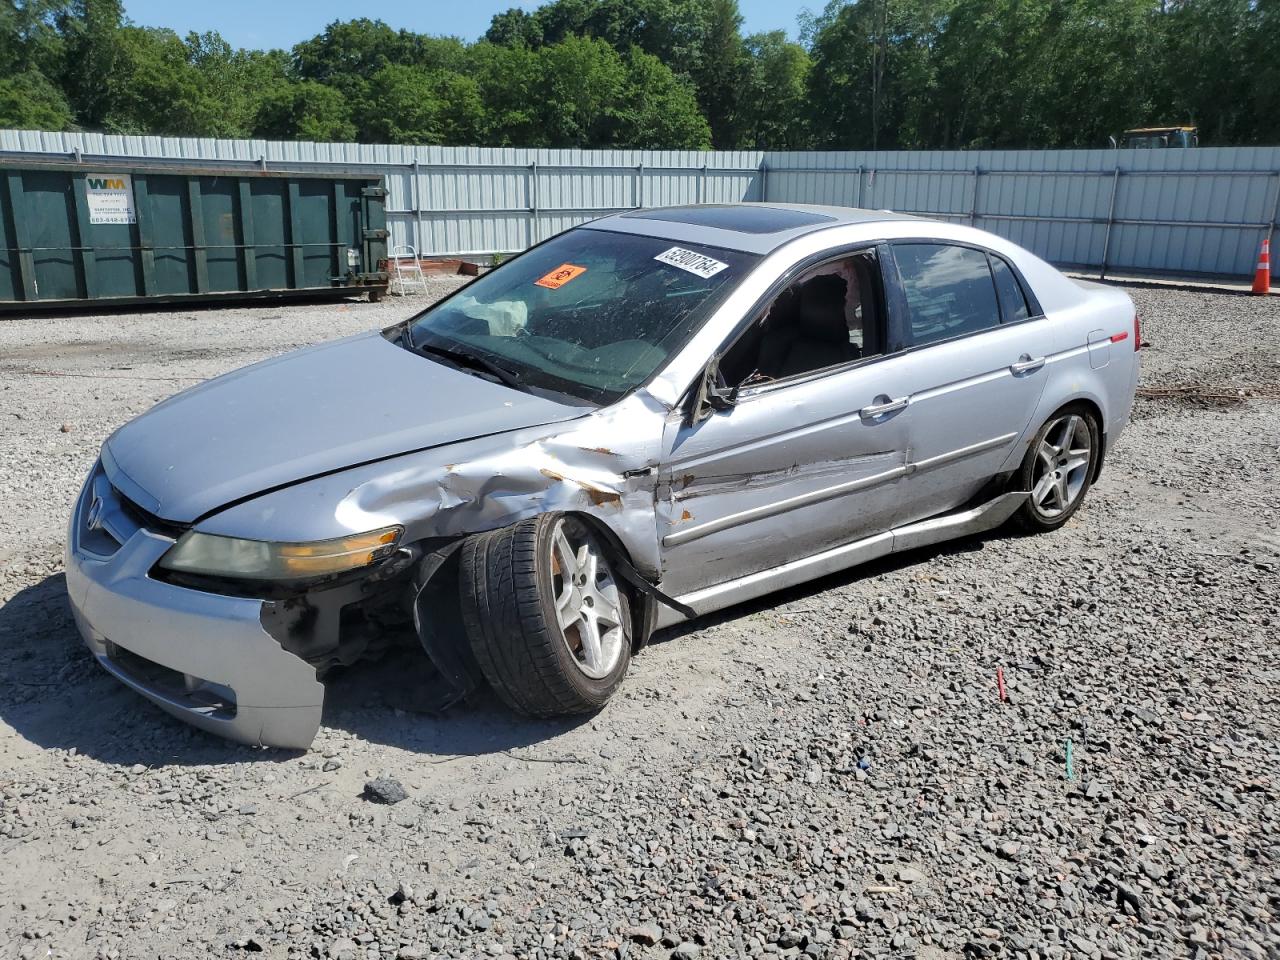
[(302, 415)]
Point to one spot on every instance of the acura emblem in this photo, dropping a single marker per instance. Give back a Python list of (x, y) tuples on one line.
[(93, 519)]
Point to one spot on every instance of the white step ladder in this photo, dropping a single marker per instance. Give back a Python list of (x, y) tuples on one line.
[(406, 271)]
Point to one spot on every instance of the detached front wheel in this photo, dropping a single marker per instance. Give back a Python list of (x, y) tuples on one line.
[(548, 621)]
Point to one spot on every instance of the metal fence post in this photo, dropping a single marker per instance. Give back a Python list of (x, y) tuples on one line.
[(764, 180), (1275, 212), (973, 198), (533, 202), (417, 208), (1111, 217), (702, 185), (424, 198), (638, 194)]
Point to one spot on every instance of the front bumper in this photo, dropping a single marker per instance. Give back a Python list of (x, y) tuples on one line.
[(203, 657)]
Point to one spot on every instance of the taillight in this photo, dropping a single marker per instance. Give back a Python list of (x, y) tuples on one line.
[(1137, 332)]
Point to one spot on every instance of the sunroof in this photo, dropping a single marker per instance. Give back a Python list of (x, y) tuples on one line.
[(743, 219)]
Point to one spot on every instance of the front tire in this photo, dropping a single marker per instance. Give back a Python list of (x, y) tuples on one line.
[(548, 621), (1058, 469)]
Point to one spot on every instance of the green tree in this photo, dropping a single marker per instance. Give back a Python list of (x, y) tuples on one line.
[(29, 101), (873, 75), (771, 106), (659, 110), (581, 93), (344, 58), (869, 73), (581, 83), (305, 110), (514, 28), (29, 39), (982, 39), (561, 19), (347, 54), (1105, 56), (1263, 68), (720, 71), (697, 39), (1219, 100), (90, 76), (31, 53), (507, 78), (155, 89), (420, 106), (236, 81), (1106, 61), (671, 30), (432, 53)]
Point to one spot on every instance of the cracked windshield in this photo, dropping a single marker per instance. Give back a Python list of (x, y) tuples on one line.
[(591, 314)]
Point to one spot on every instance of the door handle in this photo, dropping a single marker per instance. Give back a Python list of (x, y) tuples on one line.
[(880, 409), (1025, 364)]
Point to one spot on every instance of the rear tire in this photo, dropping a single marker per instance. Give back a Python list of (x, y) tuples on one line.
[(548, 621), (1058, 469)]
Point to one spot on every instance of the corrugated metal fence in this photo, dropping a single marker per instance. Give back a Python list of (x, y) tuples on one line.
[(1180, 212)]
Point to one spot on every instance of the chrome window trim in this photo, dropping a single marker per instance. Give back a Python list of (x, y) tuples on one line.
[(765, 389)]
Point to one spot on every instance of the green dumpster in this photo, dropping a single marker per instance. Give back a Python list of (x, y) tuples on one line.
[(95, 234)]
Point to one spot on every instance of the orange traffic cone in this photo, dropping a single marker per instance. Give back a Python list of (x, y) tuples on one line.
[(1262, 279)]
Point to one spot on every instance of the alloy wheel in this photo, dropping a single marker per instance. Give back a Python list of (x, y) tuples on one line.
[(587, 601), (1062, 466)]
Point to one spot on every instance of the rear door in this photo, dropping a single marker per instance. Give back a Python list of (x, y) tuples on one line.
[(978, 343)]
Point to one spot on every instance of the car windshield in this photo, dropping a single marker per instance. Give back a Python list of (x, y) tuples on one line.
[(589, 313)]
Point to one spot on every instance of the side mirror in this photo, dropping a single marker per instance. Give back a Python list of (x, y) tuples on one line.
[(713, 394)]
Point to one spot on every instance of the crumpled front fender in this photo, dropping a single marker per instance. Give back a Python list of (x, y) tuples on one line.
[(602, 465)]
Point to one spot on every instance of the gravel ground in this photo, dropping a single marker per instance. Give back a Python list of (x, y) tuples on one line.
[(829, 772)]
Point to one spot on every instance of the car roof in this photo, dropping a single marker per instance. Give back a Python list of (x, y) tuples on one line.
[(748, 227)]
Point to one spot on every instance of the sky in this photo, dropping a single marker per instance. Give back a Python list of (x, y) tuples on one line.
[(263, 24)]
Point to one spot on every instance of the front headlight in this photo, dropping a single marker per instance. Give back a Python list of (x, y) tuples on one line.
[(217, 556)]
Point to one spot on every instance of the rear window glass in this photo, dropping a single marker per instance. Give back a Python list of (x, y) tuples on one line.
[(1012, 300), (949, 290)]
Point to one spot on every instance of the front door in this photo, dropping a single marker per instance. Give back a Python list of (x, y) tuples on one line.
[(813, 452), (786, 473)]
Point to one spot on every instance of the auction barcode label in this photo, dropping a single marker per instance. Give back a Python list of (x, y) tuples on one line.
[(696, 263)]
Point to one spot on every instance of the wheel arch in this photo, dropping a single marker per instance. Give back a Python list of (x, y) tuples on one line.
[(1072, 386)]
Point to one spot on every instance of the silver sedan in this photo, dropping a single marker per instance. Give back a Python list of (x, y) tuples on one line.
[(641, 420)]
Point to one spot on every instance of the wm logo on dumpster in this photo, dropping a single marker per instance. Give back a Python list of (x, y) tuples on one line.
[(106, 183)]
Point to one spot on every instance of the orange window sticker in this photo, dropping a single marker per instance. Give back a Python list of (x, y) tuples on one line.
[(561, 275)]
